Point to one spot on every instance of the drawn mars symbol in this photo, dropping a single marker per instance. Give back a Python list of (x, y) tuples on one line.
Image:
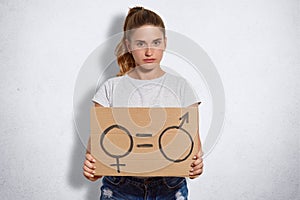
[(144, 141), (176, 130)]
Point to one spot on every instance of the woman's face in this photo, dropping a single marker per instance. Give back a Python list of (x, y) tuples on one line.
[(147, 45)]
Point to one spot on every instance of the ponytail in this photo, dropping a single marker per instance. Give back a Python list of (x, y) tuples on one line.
[(124, 58)]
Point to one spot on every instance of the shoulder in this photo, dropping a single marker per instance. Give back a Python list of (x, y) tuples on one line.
[(178, 82), (175, 79), (112, 81)]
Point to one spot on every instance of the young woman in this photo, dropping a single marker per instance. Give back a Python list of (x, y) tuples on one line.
[(141, 82)]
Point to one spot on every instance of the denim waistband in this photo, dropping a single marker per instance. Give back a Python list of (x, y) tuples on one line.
[(143, 179), (139, 181), (150, 181)]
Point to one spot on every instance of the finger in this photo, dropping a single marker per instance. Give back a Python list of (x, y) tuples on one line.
[(86, 169), (89, 164), (90, 158), (198, 155), (197, 162), (88, 175), (197, 167), (196, 172), (195, 175)]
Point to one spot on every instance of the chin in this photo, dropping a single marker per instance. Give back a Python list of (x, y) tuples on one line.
[(149, 66)]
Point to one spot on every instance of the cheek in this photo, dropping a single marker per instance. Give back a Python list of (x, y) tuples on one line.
[(137, 53), (160, 52)]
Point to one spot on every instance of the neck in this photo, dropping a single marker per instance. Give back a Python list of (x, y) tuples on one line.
[(143, 74)]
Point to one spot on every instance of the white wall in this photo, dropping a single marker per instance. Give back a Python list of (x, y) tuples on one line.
[(254, 45)]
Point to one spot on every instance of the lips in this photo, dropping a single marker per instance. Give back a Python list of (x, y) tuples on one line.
[(149, 60)]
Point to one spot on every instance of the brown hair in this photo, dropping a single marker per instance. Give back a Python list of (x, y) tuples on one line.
[(136, 17)]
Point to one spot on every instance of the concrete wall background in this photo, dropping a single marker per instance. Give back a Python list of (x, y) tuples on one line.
[(254, 45)]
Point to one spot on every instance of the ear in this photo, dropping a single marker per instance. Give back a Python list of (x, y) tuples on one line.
[(128, 46)]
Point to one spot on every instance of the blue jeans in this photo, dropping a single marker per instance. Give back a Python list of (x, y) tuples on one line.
[(159, 188)]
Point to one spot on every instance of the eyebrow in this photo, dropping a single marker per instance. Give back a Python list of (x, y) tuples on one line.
[(145, 41)]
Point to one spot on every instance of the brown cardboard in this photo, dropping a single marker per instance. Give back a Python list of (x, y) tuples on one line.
[(144, 141)]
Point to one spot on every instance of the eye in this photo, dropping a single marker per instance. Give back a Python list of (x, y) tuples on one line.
[(156, 43), (140, 44)]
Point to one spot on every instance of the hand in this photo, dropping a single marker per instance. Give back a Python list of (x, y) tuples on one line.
[(89, 168), (197, 166)]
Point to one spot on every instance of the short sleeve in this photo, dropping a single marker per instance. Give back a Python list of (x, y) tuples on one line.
[(189, 96), (102, 96)]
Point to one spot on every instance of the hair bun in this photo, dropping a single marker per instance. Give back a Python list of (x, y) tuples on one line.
[(135, 9)]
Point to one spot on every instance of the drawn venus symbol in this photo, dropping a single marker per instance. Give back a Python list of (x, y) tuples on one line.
[(116, 156)]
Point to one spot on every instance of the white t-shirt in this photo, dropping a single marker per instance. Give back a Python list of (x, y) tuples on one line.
[(166, 91)]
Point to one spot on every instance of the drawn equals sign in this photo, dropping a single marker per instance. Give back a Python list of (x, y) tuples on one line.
[(144, 135)]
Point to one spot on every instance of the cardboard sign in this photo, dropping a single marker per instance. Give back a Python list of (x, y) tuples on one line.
[(144, 141)]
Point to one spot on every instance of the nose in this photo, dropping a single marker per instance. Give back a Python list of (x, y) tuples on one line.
[(148, 52)]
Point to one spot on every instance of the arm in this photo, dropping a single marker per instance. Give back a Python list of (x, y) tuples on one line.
[(197, 164), (89, 163)]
